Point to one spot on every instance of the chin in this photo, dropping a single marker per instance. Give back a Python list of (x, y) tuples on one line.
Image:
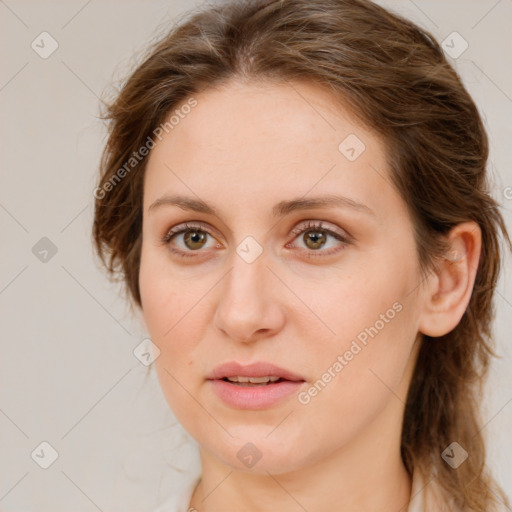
[(253, 451)]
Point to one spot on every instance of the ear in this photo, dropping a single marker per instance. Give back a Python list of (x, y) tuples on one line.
[(448, 290)]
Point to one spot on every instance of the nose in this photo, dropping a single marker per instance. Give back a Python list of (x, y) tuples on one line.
[(250, 305)]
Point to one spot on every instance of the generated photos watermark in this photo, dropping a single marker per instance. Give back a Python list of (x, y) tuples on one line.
[(137, 156), (342, 360)]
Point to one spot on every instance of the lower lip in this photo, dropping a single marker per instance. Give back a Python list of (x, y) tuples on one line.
[(254, 397)]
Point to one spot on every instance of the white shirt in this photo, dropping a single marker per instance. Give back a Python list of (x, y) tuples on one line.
[(180, 502)]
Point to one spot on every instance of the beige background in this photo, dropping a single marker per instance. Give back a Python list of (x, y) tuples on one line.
[(68, 374)]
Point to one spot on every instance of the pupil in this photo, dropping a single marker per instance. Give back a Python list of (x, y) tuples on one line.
[(317, 238), (195, 237)]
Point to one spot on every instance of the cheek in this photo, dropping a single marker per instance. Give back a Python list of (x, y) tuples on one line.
[(374, 318), (171, 310), (357, 381), (160, 294), (162, 312)]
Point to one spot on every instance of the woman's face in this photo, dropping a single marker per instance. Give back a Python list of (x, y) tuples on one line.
[(253, 278)]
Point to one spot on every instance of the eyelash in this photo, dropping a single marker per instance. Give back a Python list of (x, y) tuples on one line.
[(310, 226)]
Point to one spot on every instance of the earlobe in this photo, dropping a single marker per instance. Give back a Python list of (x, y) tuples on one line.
[(449, 289)]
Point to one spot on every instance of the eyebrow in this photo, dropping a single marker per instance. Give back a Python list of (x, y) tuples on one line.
[(279, 210)]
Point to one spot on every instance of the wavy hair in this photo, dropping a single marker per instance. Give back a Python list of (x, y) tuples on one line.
[(396, 80)]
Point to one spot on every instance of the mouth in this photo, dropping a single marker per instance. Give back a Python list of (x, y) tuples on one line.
[(260, 373), (253, 381), (255, 386)]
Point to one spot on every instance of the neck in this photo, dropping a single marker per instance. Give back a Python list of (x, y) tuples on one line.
[(366, 475)]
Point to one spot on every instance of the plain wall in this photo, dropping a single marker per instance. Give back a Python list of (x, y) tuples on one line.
[(68, 375)]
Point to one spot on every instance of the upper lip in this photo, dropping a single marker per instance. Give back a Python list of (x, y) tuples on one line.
[(259, 369)]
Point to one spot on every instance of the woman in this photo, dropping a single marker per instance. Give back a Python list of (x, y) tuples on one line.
[(295, 193)]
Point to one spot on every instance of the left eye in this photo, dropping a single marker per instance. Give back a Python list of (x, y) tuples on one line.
[(315, 237)]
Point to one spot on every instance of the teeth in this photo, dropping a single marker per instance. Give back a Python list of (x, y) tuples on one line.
[(254, 380)]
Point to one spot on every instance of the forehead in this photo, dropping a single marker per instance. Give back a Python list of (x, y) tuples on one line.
[(268, 120), (266, 140)]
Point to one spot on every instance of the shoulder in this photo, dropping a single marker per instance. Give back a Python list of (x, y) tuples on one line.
[(179, 502), (426, 495)]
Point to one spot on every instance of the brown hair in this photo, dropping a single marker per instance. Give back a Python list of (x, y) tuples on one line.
[(397, 81)]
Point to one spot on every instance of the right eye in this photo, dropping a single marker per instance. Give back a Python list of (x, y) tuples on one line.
[(192, 238)]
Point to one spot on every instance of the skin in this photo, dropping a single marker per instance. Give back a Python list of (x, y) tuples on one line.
[(244, 148)]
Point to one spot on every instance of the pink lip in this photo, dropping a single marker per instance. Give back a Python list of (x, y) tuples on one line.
[(253, 397), (260, 369)]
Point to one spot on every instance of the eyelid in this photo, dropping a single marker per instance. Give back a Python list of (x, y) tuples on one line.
[(297, 230), (342, 237), (320, 226), (186, 226)]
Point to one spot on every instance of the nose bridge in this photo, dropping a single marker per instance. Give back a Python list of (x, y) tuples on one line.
[(246, 305), (245, 284)]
